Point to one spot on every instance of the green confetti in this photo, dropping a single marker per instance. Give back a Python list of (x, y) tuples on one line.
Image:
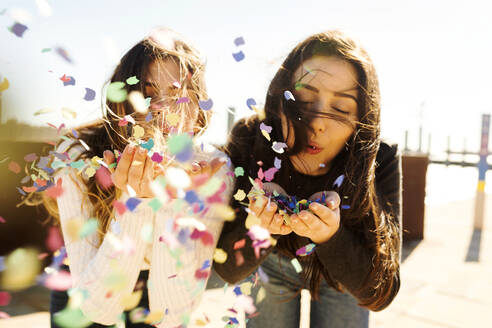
[(116, 92), (147, 101), (295, 263), (57, 164), (155, 204), (78, 164), (112, 165), (239, 171), (146, 233), (211, 187), (46, 50), (89, 228), (132, 80), (179, 143), (71, 317)]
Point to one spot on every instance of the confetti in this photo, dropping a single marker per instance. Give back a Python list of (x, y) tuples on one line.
[(89, 228), (155, 204), (239, 244), (239, 41), (260, 296), (18, 29), (345, 207), (288, 95), (4, 298), (270, 173), (68, 316), (220, 256), (138, 102), (44, 50), (239, 172), (206, 104), (211, 187), (63, 54), (2, 220), (156, 157), (132, 80), (172, 119), (89, 94), (129, 302), (14, 167), (60, 280), (54, 240), (68, 113), (43, 111), (277, 163), (245, 303), (265, 127), (44, 8), (238, 56), (179, 143), (266, 135), (338, 182), (306, 250), (132, 203), (120, 207), (176, 84), (4, 85), (278, 147), (147, 232), (148, 145), (178, 178), (297, 266), (30, 157), (138, 132), (183, 100), (240, 195), (67, 80), (21, 269), (116, 92), (250, 102), (103, 178)]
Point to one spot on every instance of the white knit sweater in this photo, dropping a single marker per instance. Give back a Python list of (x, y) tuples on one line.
[(174, 291)]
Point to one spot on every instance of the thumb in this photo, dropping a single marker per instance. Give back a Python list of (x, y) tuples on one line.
[(332, 199), (108, 158)]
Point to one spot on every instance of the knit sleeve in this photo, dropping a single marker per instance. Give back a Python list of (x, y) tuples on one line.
[(182, 258), (108, 272)]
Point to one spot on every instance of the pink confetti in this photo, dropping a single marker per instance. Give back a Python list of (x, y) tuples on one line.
[(183, 100), (202, 274), (156, 157), (14, 167), (103, 177), (240, 244), (239, 258), (123, 122), (246, 303), (2, 220), (60, 280), (4, 298), (30, 157), (196, 234), (207, 238), (120, 207), (269, 174), (54, 240), (261, 176), (56, 190)]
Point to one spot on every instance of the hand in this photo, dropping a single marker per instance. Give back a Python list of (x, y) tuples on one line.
[(208, 168), (267, 213), (134, 169), (323, 224)]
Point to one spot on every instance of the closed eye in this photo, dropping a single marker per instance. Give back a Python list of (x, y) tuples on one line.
[(339, 110)]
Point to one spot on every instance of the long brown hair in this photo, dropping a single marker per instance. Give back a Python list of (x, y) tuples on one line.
[(357, 161), (107, 134)]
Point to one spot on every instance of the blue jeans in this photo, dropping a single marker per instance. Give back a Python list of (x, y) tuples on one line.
[(281, 306)]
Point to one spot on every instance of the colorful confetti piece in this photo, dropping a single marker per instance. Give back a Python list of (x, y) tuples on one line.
[(89, 94), (4, 85), (18, 29), (289, 96), (238, 56), (250, 102), (297, 266), (132, 80), (206, 104), (116, 92)]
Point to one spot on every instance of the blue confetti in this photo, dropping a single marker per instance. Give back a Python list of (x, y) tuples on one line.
[(345, 207), (237, 290), (148, 145), (206, 104), (338, 182), (238, 56), (89, 95), (191, 197), (250, 103), (132, 203), (288, 95), (239, 41), (206, 264)]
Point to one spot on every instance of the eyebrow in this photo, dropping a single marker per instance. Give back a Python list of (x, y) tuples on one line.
[(338, 93)]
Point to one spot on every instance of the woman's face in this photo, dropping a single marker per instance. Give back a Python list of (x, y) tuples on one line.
[(161, 86), (329, 85)]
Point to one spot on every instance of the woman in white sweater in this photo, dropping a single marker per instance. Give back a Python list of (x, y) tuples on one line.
[(159, 213)]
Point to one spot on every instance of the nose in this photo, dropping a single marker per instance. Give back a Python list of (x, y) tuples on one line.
[(319, 125)]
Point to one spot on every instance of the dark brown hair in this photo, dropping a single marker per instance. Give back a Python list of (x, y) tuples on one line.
[(357, 161)]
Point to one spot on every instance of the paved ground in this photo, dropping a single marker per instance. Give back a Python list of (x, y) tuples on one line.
[(446, 280)]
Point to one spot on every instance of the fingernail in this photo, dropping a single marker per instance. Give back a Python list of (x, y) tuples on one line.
[(131, 148), (314, 206), (331, 203), (142, 150)]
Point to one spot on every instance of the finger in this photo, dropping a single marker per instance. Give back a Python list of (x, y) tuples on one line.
[(312, 222), (136, 168), (277, 226), (108, 158), (205, 168), (147, 176), (266, 216), (258, 205), (120, 175), (298, 226), (195, 168), (216, 164), (325, 214), (332, 199)]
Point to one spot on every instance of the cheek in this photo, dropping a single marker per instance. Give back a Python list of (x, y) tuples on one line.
[(287, 130)]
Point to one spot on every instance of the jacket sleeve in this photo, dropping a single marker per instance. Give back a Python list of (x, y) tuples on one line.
[(96, 269), (174, 287), (346, 254)]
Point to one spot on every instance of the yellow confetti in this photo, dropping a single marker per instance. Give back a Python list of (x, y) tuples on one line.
[(74, 226), (225, 212), (246, 287), (265, 134), (4, 85), (200, 322), (240, 195), (131, 301), (90, 171), (43, 111), (138, 102), (220, 256), (154, 317), (21, 268), (138, 132), (172, 119), (261, 295), (68, 113)]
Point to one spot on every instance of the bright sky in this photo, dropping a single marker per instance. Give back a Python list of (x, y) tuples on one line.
[(435, 53)]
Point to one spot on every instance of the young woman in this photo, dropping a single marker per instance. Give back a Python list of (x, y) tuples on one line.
[(324, 105), (150, 257)]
